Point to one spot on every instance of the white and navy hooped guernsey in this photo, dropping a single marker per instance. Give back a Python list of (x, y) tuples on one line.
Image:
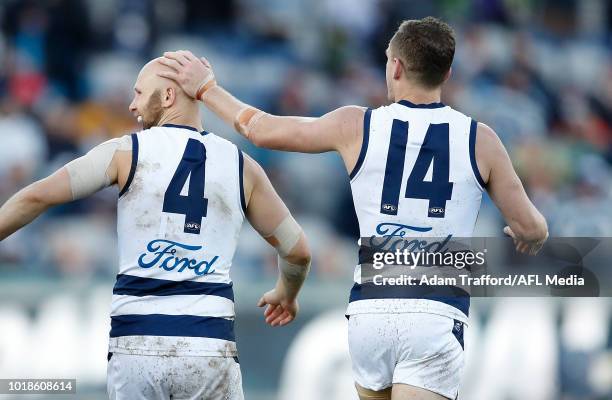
[(179, 218), (416, 175)]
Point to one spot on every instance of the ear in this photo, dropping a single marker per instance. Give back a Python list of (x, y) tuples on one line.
[(448, 74), (397, 68), (168, 97)]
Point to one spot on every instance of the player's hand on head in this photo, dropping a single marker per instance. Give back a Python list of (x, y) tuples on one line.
[(191, 73), (280, 310)]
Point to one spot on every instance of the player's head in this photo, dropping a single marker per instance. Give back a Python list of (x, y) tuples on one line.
[(155, 96), (420, 52)]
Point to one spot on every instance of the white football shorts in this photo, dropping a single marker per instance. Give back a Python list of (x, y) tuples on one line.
[(136, 377), (417, 349)]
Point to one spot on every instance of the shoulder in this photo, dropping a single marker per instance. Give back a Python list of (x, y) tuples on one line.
[(124, 143), (489, 150), (209, 138), (253, 176), (486, 138), (352, 110), (119, 143), (253, 172), (347, 114), (347, 122)]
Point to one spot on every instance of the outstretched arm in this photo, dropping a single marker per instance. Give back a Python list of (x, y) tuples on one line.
[(33, 200), (77, 179), (526, 225), (340, 130), (272, 220)]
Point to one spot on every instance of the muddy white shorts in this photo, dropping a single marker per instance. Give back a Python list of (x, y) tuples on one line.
[(133, 377), (418, 349)]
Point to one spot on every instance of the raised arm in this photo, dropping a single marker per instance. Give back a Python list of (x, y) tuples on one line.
[(272, 220), (99, 168), (526, 225), (340, 130)]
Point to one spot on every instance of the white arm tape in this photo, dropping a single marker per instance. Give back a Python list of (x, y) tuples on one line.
[(287, 233), (88, 173)]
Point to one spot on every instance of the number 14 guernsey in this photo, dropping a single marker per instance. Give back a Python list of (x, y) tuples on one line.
[(416, 176)]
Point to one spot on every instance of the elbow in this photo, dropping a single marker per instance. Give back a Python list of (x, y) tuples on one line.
[(257, 140), (302, 258), (300, 254), (264, 141), (35, 197)]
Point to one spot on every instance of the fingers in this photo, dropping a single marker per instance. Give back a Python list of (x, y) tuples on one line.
[(168, 74), (182, 57), (187, 55), (174, 55), (262, 302), (286, 320), (269, 310), (170, 63), (521, 246), (536, 248), (278, 311), (529, 248), (281, 317), (205, 62)]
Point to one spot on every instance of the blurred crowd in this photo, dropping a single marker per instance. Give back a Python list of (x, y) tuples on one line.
[(538, 72)]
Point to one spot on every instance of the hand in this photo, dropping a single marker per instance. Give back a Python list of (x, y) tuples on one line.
[(189, 72), (525, 246), (280, 310)]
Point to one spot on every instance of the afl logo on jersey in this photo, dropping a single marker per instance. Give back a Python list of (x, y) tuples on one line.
[(436, 210), (389, 207), (192, 227)]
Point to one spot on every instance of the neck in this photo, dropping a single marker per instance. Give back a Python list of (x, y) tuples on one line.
[(189, 116), (417, 94)]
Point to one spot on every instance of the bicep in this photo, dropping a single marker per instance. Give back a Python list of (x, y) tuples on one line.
[(332, 131), (265, 209), (504, 186), (98, 168), (54, 189)]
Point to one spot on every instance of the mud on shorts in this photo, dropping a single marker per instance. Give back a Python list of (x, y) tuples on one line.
[(132, 377)]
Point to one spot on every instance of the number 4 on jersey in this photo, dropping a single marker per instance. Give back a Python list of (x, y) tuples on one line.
[(194, 205), (434, 150)]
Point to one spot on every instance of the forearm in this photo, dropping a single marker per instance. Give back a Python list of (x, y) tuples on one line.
[(293, 257), (20, 210), (291, 277), (262, 129), (223, 104)]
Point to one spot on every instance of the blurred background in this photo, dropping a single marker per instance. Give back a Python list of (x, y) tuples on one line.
[(538, 72)]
